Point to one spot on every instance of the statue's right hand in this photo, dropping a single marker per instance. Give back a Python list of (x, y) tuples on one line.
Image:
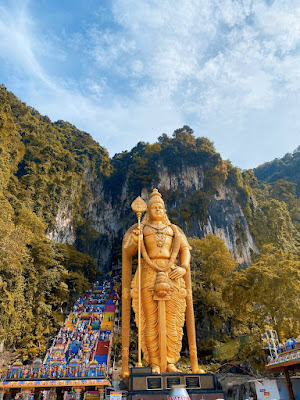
[(136, 233)]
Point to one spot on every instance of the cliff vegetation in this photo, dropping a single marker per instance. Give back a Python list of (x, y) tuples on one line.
[(66, 205)]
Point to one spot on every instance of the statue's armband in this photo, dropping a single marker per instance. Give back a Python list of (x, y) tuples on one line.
[(184, 242), (185, 249)]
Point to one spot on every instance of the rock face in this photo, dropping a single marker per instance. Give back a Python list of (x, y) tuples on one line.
[(224, 217), (64, 231), (189, 178), (226, 220), (84, 196), (107, 217)]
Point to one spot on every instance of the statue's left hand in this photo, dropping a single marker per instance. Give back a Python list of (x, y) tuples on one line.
[(176, 273)]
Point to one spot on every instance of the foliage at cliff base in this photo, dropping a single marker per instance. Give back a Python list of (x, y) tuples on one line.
[(47, 166)]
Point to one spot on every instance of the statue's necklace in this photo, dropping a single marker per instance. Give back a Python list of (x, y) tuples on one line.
[(160, 234)]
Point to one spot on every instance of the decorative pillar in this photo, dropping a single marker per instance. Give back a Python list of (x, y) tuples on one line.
[(26, 392), (77, 391), (102, 392), (288, 383), (2, 391)]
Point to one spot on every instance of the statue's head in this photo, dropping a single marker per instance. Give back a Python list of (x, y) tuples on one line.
[(156, 209)]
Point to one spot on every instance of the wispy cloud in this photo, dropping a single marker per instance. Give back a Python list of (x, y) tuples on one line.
[(228, 68)]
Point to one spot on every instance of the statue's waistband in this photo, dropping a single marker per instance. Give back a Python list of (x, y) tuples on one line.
[(159, 262)]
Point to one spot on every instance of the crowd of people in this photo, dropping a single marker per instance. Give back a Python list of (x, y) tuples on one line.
[(73, 351)]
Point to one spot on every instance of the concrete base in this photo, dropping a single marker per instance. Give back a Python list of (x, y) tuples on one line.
[(147, 386)]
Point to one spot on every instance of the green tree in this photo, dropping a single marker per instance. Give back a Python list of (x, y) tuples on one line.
[(266, 294), (272, 224), (212, 267)]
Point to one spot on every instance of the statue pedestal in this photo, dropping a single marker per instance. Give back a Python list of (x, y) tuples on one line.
[(143, 385)]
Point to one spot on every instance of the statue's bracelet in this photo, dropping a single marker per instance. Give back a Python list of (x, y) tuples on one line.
[(184, 266)]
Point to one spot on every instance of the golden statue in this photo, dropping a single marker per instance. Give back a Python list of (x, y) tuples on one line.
[(163, 298)]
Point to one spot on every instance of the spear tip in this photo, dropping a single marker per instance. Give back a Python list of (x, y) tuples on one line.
[(139, 205)]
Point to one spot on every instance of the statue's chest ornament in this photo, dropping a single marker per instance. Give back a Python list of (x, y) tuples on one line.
[(160, 235)]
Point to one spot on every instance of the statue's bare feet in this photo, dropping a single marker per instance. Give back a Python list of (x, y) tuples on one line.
[(155, 369), (199, 371), (172, 368)]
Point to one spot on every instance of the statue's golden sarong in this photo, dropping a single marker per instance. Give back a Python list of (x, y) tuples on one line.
[(175, 306)]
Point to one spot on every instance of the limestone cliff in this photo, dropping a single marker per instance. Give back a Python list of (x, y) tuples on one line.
[(107, 217), (83, 196), (56, 178)]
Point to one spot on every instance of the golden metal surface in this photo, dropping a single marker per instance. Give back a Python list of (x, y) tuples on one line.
[(139, 207), (161, 289)]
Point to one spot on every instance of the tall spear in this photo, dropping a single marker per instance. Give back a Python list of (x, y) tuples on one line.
[(139, 207)]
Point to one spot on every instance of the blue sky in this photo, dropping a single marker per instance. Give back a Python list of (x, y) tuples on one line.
[(129, 70)]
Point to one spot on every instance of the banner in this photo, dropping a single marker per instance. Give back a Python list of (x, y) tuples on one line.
[(115, 395)]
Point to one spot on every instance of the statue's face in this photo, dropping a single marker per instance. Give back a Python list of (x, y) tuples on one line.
[(156, 212)]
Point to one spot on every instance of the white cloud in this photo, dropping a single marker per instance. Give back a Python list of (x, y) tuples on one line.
[(228, 68)]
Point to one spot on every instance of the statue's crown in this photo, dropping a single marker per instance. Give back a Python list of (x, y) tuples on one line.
[(155, 193), (155, 197)]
